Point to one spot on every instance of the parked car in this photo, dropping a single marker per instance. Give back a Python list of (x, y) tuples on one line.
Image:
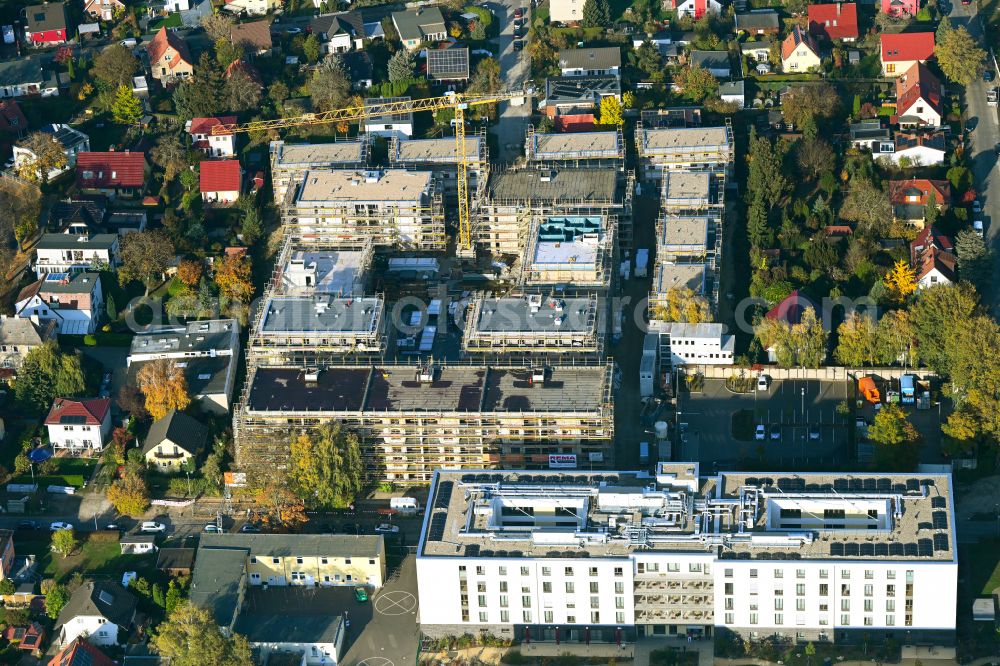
[(775, 432), (988, 75), (151, 527), (28, 525), (55, 527), (361, 594), (760, 434), (977, 207), (250, 528), (977, 226), (763, 382), (212, 528), (386, 528), (518, 13), (518, 45)]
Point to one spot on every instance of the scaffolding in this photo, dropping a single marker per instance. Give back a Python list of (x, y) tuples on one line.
[(572, 252), (440, 156), (412, 420), (571, 150), (684, 149), (535, 328), (290, 162), (411, 219)]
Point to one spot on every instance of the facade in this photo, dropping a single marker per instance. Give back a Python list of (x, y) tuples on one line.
[(899, 52), (72, 303), (911, 197), (594, 61), (413, 420), (799, 52), (207, 350), (833, 21), (18, 336), (416, 26), (391, 208), (919, 98), (24, 76), (935, 267), (396, 125), (917, 149), (213, 145), (71, 140), (69, 253), (693, 8), (611, 556), (169, 57), (98, 611), (220, 181), (105, 10), (693, 344), (79, 425), (291, 161), (113, 173), (46, 24), (566, 11), (173, 440), (252, 7), (684, 149), (758, 22)]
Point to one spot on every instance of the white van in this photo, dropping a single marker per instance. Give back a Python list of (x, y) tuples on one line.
[(404, 504)]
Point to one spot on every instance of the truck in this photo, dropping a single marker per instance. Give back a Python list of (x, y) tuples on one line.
[(908, 389), (868, 390), (991, 96), (641, 262), (643, 453)]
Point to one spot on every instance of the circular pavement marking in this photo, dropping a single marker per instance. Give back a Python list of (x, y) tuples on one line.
[(376, 661), (396, 602)]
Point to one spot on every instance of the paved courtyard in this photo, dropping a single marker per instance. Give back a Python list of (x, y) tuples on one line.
[(383, 632)]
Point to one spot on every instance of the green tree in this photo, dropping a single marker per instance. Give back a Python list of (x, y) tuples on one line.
[(896, 440), (959, 56), (815, 156), (805, 103), (198, 96), (868, 206), (46, 155), (190, 636), (611, 112), (975, 262), (56, 597), (129, 495), (48, 373), (115, 66), (226, 52), (127, 109), (325, 467), (401, 66), (856, 341), (765, 177), (175, 595), (696, 83), (311, 48), (960, 178), (934, 315), (145, 256), (329, 86), (241, 92), (894, 339), (758, 230), (252, 226), (596, 14), (64, 542), (158, 596), (7, 587)]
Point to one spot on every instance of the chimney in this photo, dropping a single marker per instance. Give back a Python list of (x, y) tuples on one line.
[(838, 9)]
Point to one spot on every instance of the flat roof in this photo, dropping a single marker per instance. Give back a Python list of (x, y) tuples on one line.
[(454, 388), (317, 154), (565, 185), (320, 313), (785, 516), (435, 150), (568, 240), (670, 139), (576, 145), (75, 242), (298, 545), (545, 315), (687, 330), (195, 336), (291, 614), (671, 276), (688, 232), (352, 186), (681, 187), (331, 271)]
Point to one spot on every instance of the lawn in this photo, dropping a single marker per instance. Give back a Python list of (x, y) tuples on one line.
[(984, 566), (95, 555), (172, 21), (71, 472)]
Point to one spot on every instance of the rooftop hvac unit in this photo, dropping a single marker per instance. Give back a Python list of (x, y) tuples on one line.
[(538, 375), (425, 374), (547, 176), (311, 374), (534, 302), (372, 176)]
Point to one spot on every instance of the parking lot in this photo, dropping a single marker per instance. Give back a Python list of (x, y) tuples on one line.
[(383, 631), (790, 406)]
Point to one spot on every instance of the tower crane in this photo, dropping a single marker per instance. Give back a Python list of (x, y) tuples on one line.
[(456, 101)]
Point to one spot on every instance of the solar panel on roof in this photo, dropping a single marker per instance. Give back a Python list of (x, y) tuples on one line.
[(837, 548), (436, 531), (852, 549), (881, 549), (941, 542), (795, 556), (927, 482), (899, 487), (448, 63), (840, 485), (767, 482), (896, 549), (443, 497), (925, 548), (910, 549), (940, 519), (939, 503), (744, 556), (764, 555), (884, 485), (867, 550), (912, 484), (472, 550), (869, 484), (857, 485), (74, 419)]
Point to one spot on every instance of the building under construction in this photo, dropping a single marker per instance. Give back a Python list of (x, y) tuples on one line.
[(316, 310), (687, 192), (572, 150), (570, 252), (535, 328), (684, 149), (515, 201), (291, 161), (440, 157), (413, 420), (395, 209)]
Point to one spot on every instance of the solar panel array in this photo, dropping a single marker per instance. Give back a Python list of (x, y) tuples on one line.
[(448, 63), (436, 531), (443, 497)]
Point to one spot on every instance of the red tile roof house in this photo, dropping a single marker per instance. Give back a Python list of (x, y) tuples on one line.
[(900, 7), (220, 181), (213, 145), (46, 24), (834, 21), (789, 312), (78, 653), (934, 267), (111, 173), (910, 198), (79, 425), (28, 638), (901, 51), (919, 98), (928, 238)]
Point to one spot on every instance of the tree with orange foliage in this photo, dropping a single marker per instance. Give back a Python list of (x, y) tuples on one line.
[(165, 387), (189, 272), (233, 278), (278, 507), (902, 279)]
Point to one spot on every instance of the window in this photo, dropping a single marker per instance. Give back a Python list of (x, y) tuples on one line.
[(729, 573), (526, 601), (481, 571), (570, 588), (504, 601), (504, 616), (480, 586), (728, 618), (595, 617), (824, 573), (868, 621), (753, 618), (891, 575), (275, 560), (800, 589), (299, 560), (694, 568), (568, 571), (547, 586), (729, 603), (619, 602), (571, 619), (845, 574), (323, 560), (524, 571), (890, 590), (845, 590), (753, 573), (253, 560), (593, 571), (482, 600), (869, 574), (593, 587), (800, 604), (868, 605), (526, 616), (845, 619), (890, 605), (547, 616), (800, 573), (729, 588), (824, 590), (845, 604), (778, 573), (779, 604), (595, 602), (503, 586), (620, 618), (546, 571), (619, 587), (890, 620), (779, 618), (347, 561), (673, 567), (868, 590), (619, 572), (483, 617), (503, 570)]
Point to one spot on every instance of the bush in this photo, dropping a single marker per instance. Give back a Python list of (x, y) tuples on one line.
[(90, 340)]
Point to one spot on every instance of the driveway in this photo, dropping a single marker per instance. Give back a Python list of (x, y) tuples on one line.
[(383, 632), (513, 122), (983, 139)]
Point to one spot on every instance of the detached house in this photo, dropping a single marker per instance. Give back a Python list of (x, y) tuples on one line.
[(104, 10), (253, 37), (799, 52), (169, 57), (46, 24), (213, 145), (99, 611), (252, 7), (837, 20), (72, 253), (112, 173), (918, 149), (341, 32), (173, 440), (899, 52), (24, 76), (18, 337), (933, 259), (565, 11), (919, 98), (597, 61), (72, 303), (79, 425), (900, 7), (758, 22), (911, 197), (693, 8), (80, 653), (416, 26), (220, 181), (72, 142)]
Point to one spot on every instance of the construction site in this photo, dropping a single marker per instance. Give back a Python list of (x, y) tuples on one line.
[(440, 157), (415, 419)]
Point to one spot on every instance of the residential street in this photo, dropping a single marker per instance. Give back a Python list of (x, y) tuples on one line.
[(516, 68), (984, 139)]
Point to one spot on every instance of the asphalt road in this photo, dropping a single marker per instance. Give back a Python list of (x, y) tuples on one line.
[(983, 140), (516, 67)]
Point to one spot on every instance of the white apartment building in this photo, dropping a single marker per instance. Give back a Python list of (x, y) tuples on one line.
[(70, 253), (693, 344), (291, 161), (581, 557)]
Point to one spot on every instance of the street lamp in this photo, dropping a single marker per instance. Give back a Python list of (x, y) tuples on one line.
[(188, 473), (803, 404)]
